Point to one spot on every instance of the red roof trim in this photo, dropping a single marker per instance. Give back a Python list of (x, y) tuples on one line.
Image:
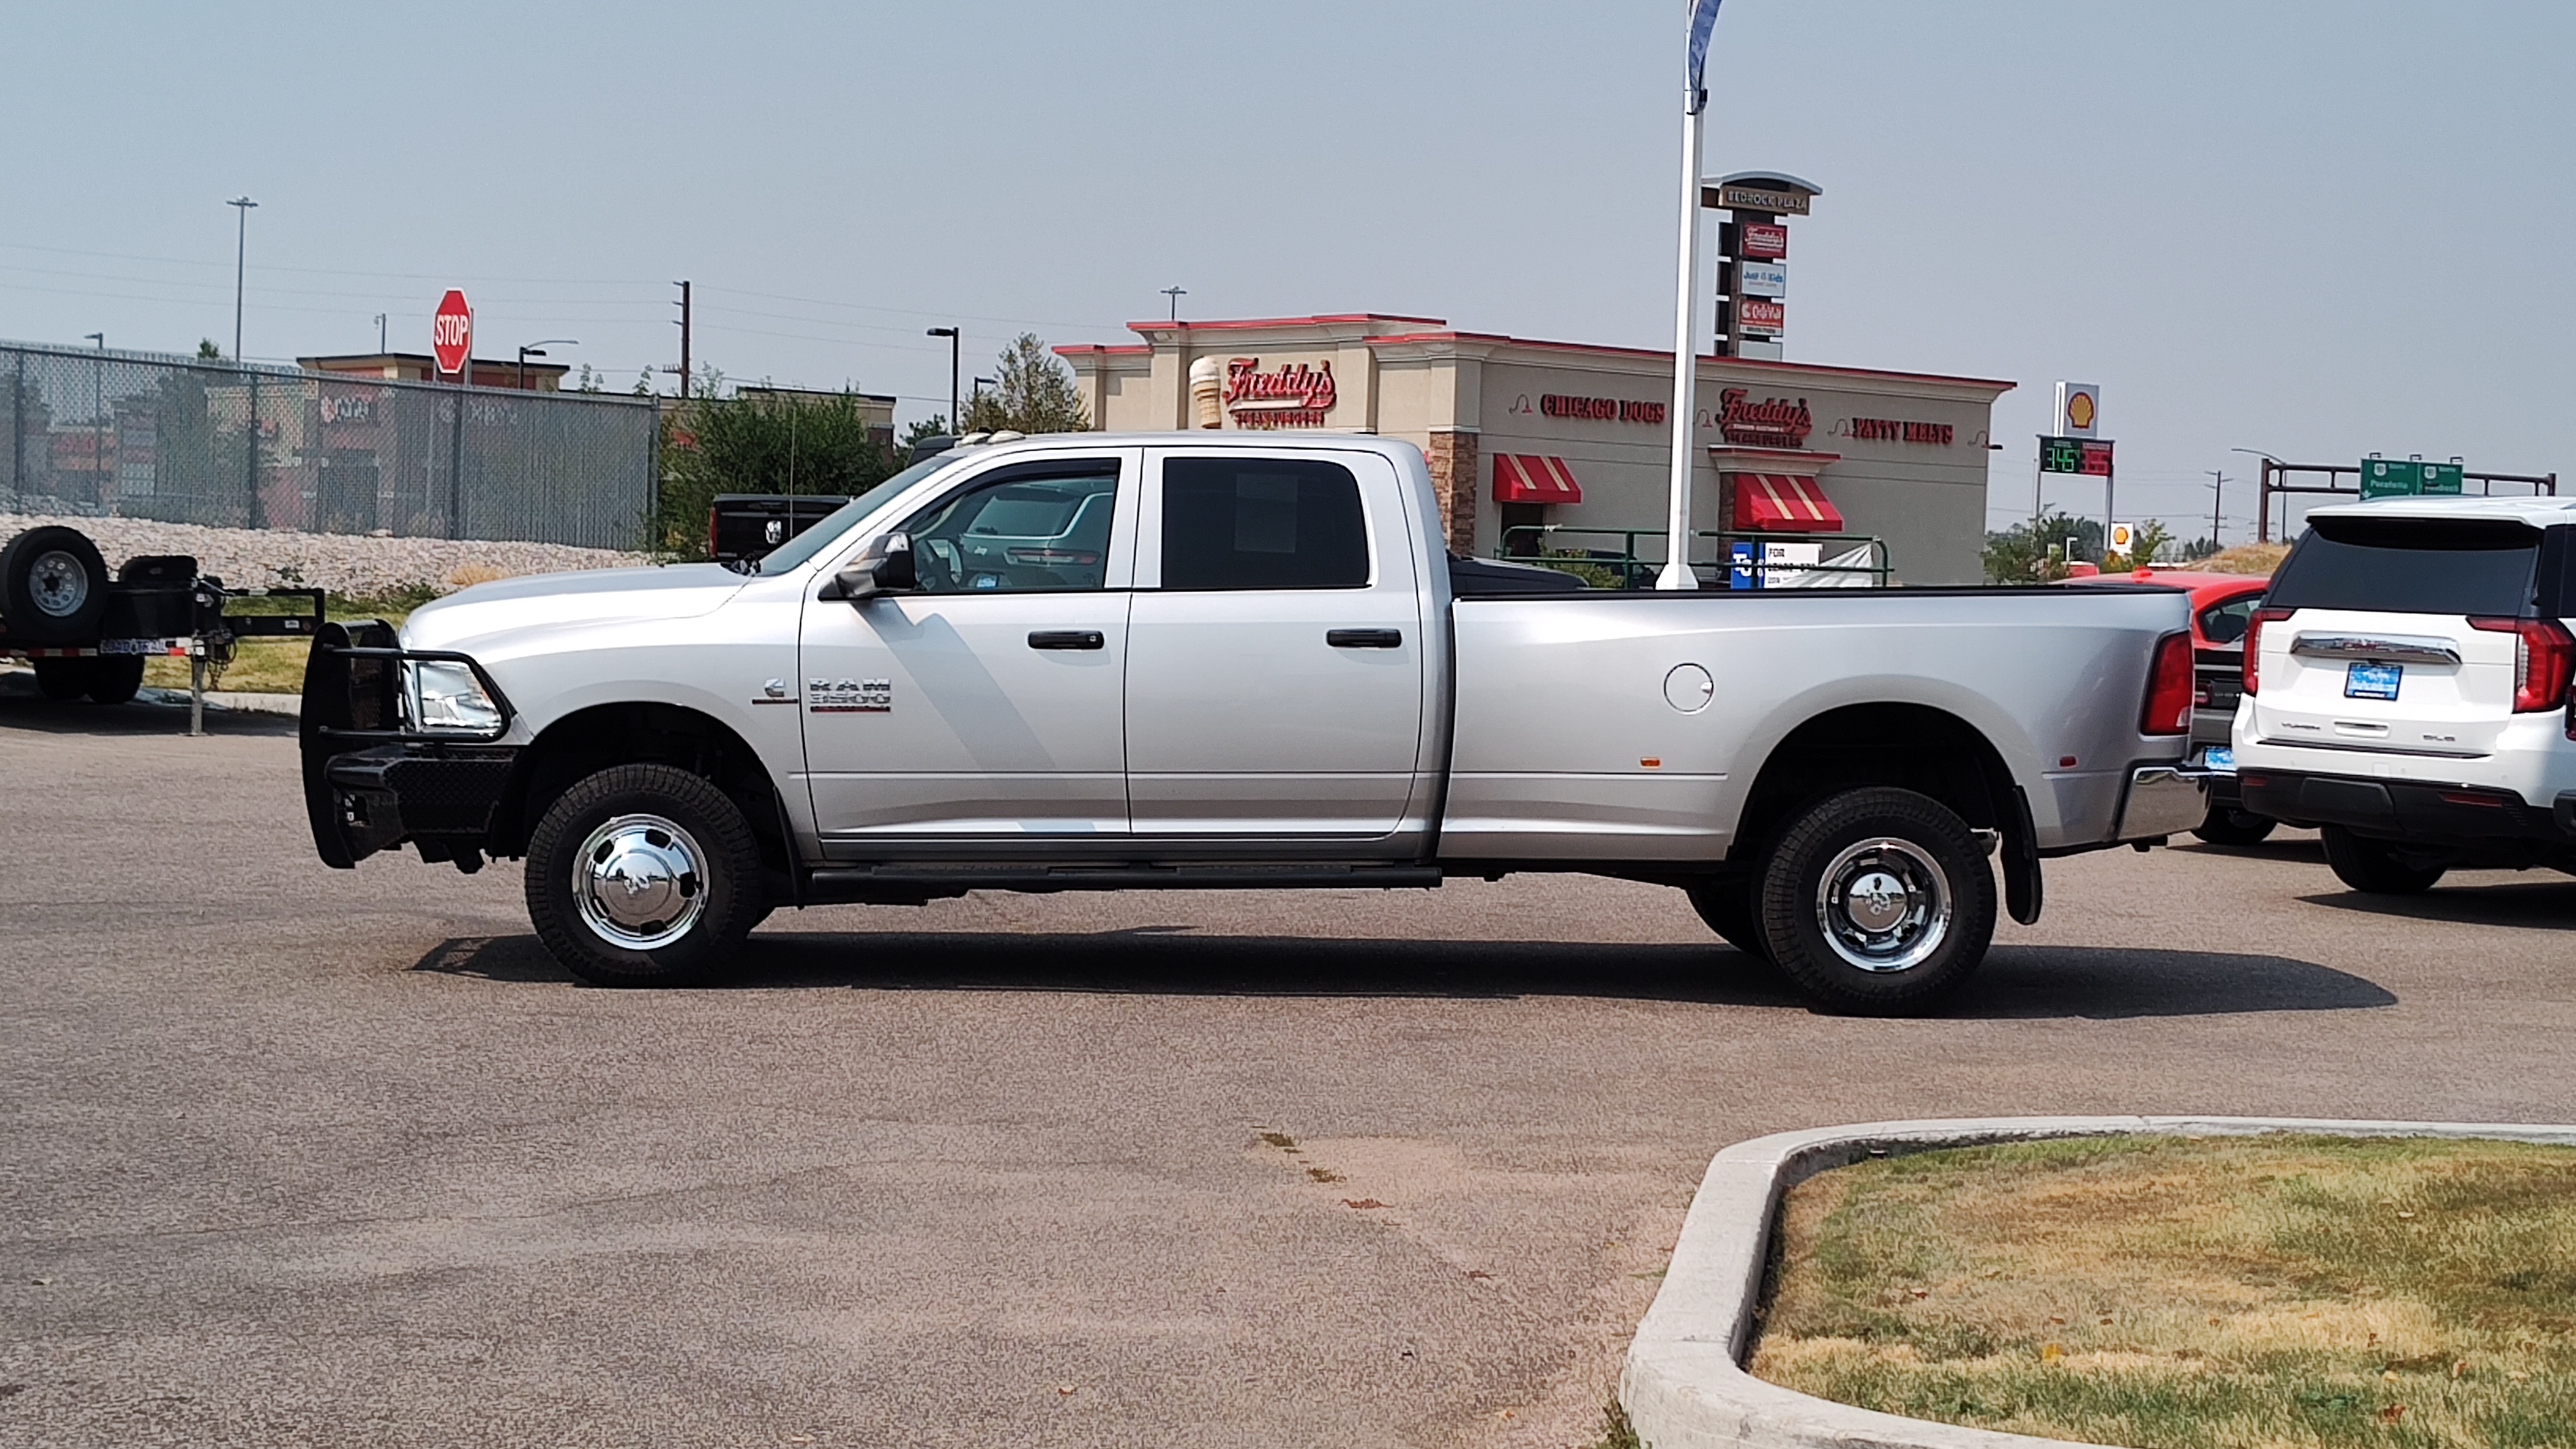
[(1255, 322), (1666, 358), (1072, 348)]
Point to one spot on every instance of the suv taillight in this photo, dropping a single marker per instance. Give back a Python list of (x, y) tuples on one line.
[(2543, 654), (2169, 686), (2254, 645), (711, 533)]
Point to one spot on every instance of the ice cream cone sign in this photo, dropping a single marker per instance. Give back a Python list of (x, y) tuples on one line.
[(1207, 392)]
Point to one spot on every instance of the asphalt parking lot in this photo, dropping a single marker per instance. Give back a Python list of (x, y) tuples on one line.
[(292, 1156)]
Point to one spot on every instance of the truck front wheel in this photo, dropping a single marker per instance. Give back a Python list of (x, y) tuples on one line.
[(643, 875), (1877, 902)]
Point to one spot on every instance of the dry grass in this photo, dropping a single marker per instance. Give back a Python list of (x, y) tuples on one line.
[(276, 666), (2245, 558), (2171, 1293)]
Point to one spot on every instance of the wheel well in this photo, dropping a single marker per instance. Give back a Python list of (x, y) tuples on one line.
[(591, 740), (1908, 746)]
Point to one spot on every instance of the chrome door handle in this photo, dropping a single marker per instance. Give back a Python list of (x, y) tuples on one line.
[(1365, 638), (1067, 639)]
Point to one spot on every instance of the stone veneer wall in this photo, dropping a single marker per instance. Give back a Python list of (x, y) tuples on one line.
[(1454, 466)]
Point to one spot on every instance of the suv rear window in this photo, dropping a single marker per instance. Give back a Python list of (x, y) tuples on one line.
[(2410, 566)]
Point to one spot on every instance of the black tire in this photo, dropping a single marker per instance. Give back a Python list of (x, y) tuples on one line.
[(1894, 851), (665, 827), (1726, 904), (53, 586), (2234, 827), (64, 679), (2373, 867), (115, 678)]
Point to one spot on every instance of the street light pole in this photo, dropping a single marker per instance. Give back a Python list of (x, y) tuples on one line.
[(241, 206), (955, 424), (2263, 495), (538, 349)]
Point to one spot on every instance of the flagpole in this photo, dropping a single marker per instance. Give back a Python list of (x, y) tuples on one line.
[(1676, 572)]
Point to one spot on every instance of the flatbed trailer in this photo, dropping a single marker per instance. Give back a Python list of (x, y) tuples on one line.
[(87, 633)]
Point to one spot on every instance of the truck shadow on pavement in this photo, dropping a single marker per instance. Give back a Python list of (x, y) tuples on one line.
[(2017, 982)]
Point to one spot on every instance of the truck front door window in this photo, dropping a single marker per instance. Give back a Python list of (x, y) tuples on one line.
[(1022, 534)]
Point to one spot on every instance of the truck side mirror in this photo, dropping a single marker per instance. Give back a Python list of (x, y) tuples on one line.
[(884, 566)]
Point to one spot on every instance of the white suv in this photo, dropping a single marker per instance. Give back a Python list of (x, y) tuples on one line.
[(2407, 688)]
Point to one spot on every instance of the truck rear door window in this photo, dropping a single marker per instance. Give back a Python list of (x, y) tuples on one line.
[(1262, 523), (2410, 566)]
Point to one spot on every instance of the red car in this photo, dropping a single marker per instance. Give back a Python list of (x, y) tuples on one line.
[(2221, 606)]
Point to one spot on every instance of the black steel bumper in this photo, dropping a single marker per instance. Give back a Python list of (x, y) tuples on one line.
[(2469, 815), (370, 781)]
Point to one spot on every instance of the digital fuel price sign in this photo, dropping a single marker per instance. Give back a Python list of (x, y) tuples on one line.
[(2089, 457)]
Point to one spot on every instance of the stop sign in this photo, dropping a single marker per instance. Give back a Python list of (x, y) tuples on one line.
[(451, 332)]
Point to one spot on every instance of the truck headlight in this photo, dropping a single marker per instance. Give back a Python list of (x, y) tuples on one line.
[(444, 697)]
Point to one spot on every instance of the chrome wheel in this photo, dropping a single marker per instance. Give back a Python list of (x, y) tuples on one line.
[(1884, 904), (640, 882), (59, 584)]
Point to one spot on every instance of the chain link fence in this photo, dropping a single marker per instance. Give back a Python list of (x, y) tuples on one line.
[(136, 435)]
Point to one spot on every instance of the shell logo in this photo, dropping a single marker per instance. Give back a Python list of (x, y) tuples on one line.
[(2079, 410)]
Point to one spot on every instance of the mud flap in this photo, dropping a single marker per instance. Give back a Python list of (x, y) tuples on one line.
[(2022, 884)]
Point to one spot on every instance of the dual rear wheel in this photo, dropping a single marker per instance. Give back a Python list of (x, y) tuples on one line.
[(1874, 901)]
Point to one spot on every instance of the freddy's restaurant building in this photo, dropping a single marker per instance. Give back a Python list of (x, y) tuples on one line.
[(1536, 433)]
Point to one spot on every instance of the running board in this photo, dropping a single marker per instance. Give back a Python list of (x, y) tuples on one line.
[(895, 884)]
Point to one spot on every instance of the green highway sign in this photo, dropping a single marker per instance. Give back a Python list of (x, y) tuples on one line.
[(2407, 478)]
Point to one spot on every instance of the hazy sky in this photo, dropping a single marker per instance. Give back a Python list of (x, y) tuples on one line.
[(2317, 229)]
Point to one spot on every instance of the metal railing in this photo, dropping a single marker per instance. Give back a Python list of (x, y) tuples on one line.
[(138, 435), (1635, 570)]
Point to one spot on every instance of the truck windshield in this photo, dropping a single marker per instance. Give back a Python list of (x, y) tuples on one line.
[(2410, 566), (831, 526)]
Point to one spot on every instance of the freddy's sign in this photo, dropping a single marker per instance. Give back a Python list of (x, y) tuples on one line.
[(1295, 395), (1771, 423)]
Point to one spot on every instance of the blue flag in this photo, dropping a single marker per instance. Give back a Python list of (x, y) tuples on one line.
[(1703, 20)]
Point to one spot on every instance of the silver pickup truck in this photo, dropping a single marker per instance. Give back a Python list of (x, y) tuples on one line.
[(1094, 662)]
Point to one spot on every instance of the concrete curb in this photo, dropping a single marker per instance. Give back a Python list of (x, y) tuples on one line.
[(1685, 1387)]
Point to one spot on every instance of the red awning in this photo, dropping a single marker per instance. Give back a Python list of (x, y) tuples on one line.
[(1529, 478), (1788, 504)]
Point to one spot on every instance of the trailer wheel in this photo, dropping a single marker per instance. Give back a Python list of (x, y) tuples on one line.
[(1877, 902), (115, 678), (63, 679), (53, 586), (1726, 904), (643, 875)]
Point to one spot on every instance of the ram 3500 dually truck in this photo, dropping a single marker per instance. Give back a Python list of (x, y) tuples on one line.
[(1093, 662)]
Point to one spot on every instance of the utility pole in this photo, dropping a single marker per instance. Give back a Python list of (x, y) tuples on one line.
[(98, 444), (1176, 294), (241, 205), (2217, 492), (684, 337), (955, 425), (380, 334)]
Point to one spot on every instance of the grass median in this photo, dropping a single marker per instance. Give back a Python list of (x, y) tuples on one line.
[(2191, 1293)]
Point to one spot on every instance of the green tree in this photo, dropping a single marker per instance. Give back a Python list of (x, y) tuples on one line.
[(715, 444), (207, 351), (2035, 552), (922, 430), (1035, 393)]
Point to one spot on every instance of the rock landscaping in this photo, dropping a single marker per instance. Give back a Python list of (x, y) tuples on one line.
[(352, 565)]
